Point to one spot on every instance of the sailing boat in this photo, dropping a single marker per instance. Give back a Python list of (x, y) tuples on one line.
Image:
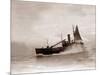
[(52, 49), (76, 34)]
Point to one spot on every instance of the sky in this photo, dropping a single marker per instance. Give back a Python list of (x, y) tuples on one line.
[(33, 22)]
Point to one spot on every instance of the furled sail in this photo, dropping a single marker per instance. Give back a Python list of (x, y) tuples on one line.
[(76, 34)]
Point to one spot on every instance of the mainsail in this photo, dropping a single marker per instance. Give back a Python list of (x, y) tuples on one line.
[(76, 34)]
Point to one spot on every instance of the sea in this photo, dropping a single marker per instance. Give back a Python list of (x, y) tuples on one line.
[(75, 58)]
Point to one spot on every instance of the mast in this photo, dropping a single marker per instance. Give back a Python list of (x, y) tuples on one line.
[(61, 37), (73, 32), (47, 43), (73, 29)]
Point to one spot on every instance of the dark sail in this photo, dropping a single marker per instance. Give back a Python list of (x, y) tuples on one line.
[(76, 33)]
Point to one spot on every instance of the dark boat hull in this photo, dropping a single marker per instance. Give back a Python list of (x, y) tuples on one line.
[(47, 51)]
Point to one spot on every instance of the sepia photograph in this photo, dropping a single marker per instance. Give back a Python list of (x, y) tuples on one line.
[(52, 37)]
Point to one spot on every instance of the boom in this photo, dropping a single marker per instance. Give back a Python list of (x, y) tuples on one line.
[(58, 43)]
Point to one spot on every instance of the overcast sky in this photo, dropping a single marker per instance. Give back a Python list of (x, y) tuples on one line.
[(38, 21)]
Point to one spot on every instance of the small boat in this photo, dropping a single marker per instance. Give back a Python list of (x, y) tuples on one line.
[(54, 50)]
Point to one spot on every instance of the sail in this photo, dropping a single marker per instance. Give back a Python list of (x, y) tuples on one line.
[(76, 33)]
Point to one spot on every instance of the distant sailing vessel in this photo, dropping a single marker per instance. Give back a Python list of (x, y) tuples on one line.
[(52, 49)]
